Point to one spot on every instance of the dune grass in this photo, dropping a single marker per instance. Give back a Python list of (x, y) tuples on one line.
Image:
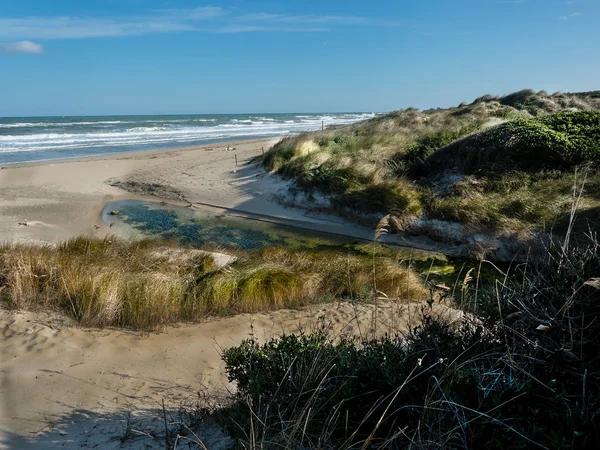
[(142, 285), (102, 282), (497, 164), (521, 370)]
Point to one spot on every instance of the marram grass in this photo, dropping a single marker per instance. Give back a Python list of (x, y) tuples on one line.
[(142, 285), (499, 164)]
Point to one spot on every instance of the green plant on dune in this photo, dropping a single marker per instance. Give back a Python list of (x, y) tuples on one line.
[(519, 370), (497, 164), (429, 143), (142, 285), (556, 142)]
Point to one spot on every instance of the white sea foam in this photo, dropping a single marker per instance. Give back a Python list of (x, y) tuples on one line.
[(126, 134)]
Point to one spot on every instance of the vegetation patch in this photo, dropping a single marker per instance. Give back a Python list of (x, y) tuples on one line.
[(146, 284), (557, 142), (498, 165), (521, 371)]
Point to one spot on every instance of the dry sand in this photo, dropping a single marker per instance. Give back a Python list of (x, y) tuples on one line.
[(60, 199), (64, 387)]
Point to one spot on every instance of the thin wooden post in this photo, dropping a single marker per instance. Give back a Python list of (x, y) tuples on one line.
[(263, 150), (235, 160)]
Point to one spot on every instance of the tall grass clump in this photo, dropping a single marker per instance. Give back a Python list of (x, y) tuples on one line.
[(521, 370), (111, 282), (276, 277), (102, 282)]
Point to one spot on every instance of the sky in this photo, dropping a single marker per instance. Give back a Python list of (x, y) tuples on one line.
[(73, 57)]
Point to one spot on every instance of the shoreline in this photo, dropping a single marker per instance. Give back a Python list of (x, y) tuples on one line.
[(53, 201), (124, 154)]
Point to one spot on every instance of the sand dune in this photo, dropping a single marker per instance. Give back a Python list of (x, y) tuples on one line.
[(69, 387), (61, 386)]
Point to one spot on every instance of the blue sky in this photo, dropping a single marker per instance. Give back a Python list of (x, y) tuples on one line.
[(70, 57)]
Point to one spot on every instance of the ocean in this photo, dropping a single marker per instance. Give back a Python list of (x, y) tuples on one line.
[(46, 138)]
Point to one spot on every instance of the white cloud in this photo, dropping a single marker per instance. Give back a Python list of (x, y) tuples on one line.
[(242, 28), (207, 19), (202, 13), (575, 14), (309, 19), (24, 47)]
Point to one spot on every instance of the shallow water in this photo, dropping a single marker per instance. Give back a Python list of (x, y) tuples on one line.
[(142, 219), (138, 219)]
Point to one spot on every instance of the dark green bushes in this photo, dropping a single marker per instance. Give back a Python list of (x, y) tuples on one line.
[(522, 371), (556, 142), (429, 143), (345, 390)]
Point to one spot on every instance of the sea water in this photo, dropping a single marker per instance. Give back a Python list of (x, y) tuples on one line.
[(44, 138)]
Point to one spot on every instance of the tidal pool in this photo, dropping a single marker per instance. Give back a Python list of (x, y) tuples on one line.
[(142, 219), (139, 219)]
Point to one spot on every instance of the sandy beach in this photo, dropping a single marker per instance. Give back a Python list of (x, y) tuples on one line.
[(61, 199), (55, 200), (69, 387)]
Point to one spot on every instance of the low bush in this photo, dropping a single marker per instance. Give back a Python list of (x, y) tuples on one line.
[(556, 142), (520, 371), (431, 142)]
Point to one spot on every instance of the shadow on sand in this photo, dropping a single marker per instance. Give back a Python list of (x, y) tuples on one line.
[(182, 428)]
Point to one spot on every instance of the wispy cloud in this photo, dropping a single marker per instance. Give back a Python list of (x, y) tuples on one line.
[(23, 47), (571, 16), (208, 19), (330, 20), (74, 27), (241, 28)]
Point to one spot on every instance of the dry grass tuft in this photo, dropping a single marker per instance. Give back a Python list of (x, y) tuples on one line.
[(143, 285), (100, 283)]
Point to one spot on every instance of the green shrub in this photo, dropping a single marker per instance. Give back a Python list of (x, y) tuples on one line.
[(557, 142), (432, 142), (346, 385), (522, 371)]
